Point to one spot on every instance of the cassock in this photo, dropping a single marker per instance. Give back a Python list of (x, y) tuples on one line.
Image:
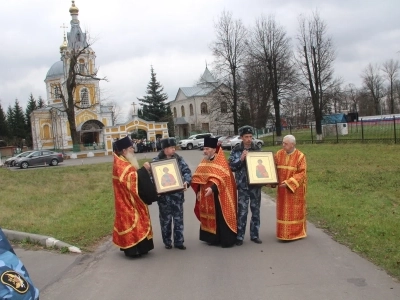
[(133, 191), (217, 212), (291, 201)]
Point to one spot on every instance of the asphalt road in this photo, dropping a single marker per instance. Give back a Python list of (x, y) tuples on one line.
[(312, 268)]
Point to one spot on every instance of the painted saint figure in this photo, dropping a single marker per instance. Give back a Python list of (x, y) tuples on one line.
[(261, 172), (167, 179)]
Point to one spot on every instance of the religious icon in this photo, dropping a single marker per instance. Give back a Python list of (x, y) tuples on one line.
[(167, 179), (167, 176), (261, 168), (261, 172)]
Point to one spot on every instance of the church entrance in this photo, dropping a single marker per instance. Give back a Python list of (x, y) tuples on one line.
[(91, 133)]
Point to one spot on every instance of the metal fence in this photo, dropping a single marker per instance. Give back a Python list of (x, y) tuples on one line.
[(384, 130)]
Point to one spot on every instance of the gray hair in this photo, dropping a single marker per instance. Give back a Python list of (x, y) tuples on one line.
[(291, 138)]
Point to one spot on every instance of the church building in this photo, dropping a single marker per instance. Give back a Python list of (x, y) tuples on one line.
[(94, 121), (202, 108), (50, 126)]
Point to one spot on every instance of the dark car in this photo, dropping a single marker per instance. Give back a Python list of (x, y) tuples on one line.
[(11, 160), (39, 158)]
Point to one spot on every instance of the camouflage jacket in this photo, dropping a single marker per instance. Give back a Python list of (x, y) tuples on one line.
[(239, 167), (15, 282)]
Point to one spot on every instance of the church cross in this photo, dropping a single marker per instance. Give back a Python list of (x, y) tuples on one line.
[(64, 27)]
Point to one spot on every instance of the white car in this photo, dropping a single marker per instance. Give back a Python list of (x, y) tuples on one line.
[(193, 141), (232, 141)]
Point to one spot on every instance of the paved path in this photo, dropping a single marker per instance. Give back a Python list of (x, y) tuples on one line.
[(312, 268)]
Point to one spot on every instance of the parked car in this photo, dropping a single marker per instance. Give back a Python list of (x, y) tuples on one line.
[(193, 141), (232, 141), (11, 160), (39, 158)]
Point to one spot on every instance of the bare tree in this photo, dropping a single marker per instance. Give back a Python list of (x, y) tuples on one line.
[(270, 47), (229, 50), (115, 110), (396, 88), (257, 93), (391, 69), (351, 94), (315, 56), (373, 83)]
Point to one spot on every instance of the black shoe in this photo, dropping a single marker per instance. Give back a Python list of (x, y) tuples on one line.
[(168, 247), (256, 240), (239, 242), (182, 247)]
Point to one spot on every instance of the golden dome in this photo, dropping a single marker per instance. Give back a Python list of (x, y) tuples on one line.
[(64, 45), (73, 9)]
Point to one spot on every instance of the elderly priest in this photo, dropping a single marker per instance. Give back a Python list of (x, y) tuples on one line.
[(133, 191)]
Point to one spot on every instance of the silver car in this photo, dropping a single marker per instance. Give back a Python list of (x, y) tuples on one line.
[(232, 141), (39, 158)]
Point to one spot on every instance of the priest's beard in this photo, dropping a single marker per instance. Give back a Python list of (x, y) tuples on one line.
[(209, 157), (132, 159)]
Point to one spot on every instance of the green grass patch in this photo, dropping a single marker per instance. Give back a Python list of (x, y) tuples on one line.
[(73, 204), (353, 194)]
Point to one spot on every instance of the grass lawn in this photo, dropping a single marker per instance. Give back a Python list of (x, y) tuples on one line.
[(353, 193)]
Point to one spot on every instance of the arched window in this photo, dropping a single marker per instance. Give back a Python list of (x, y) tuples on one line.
[(46, 132), (82, 66), (203, 108), (85, 97), (56, 91), (175, 112), (191, 109), (183, 111), (224, 107)]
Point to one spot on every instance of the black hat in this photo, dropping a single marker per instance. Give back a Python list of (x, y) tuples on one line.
[(210, 142), (122, 144), (245, 130), (169, 142)]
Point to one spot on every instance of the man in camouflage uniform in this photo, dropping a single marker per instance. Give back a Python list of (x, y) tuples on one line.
[(246, 193), (171, 204), (15, 282)]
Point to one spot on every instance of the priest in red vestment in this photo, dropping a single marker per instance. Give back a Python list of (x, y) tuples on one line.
[(133, 191), (291, 196), (216, 194)]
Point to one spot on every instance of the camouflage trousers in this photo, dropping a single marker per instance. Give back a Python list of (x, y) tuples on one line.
[(252, 195), (171, 208)]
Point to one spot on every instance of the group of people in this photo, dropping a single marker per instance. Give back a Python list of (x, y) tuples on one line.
[(144, 145), (222, 199)]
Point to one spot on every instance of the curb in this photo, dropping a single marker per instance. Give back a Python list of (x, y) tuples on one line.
[(43, 240)]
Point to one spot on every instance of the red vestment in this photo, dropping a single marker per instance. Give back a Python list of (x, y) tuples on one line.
[(291, 201), (216, 172), (132, 223)]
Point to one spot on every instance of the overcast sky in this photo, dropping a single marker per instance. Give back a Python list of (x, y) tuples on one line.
[(174, 36)]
